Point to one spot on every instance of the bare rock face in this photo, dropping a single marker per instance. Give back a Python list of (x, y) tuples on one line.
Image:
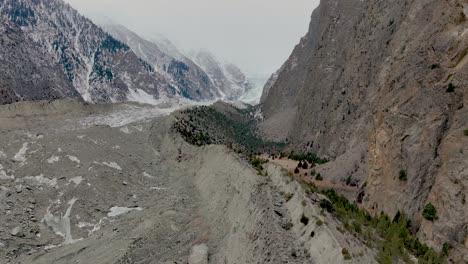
[(99, 67), (383, 85), (24, 66)]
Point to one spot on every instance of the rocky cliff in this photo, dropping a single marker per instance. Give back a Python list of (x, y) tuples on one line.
[(381, 88), (99, 67)]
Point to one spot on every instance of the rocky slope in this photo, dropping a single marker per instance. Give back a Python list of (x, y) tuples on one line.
[(100, 68), (228, 78), (181, 72), (97, 184), (24, 64), (381, 88)]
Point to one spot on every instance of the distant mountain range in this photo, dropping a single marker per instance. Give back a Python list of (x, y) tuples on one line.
[(49, 51)]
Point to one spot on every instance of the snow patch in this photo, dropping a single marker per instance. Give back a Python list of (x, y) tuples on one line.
[(61, 224), (125, 130), (116, 211), (141, 96), (76, 180), (158, 188), (73, 158), (53, 159), (147, 175), (41, 180), (20, 156), (4, 175), (110, 165)]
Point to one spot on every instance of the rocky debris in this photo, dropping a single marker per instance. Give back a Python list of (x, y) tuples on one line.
[(381, 87), (205, 195), (17, 231)]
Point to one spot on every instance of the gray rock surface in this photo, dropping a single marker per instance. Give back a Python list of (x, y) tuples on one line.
[(382, 87), (66, 164)]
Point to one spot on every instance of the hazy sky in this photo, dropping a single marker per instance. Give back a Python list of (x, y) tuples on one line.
[(258, 35)]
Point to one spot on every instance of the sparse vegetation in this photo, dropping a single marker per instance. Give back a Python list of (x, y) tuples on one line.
[(451, 88), (319, 222), (319, 177), (311, 158), (430, 212), (304, 219), (257, 162), (206, 125), (393, 238), (403, 175), (346, 254)]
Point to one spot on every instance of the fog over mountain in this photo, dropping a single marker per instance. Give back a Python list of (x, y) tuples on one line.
[(256, 35)]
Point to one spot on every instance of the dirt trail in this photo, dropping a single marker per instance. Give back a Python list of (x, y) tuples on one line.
[(290, 165)]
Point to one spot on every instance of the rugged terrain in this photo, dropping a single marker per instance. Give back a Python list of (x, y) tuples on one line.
[(381, 89), (230, 80), (186, 77), (113, 184)]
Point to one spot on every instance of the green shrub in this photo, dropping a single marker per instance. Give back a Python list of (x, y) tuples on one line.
[(346, 254), (465, 133), (451, 88), (319, 222), (304, 219), (403, 175), (296, 170), (393, 239), (430, 212), (305, 166), (319, 177)]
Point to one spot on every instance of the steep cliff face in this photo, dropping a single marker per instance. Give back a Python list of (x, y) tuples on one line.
[(23, 65), (100, 68), (181, 72), (381, 87)]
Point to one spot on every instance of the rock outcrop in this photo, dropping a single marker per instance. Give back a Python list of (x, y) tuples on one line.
[(381, 88)]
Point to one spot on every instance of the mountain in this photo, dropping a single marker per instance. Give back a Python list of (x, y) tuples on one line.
[(228, 78), (183, 74), (24, 65), (99, 67), (381, 89)]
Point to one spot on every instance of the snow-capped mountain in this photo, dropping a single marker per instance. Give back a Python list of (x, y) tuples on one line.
[(182, 73), (99, 67), (228, 78)]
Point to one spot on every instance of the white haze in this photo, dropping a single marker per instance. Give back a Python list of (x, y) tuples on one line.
[(257, 35)]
